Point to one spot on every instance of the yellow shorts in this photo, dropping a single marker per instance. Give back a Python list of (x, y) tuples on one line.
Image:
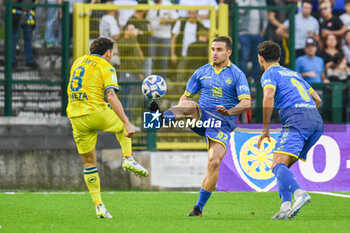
[(85, 128)]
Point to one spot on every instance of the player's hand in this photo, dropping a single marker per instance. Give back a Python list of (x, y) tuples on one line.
[(222, 110), (264, 134), (130, 131)]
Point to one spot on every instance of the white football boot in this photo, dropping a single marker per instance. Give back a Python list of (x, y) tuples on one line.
[(102, 212), (284, 210), (281, 215), (129, 164), (300, 201)]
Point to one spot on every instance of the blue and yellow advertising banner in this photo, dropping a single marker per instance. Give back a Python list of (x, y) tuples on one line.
[(246, 168)]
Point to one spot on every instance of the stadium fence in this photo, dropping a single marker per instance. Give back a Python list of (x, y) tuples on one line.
[(17, 87), (42, 90)]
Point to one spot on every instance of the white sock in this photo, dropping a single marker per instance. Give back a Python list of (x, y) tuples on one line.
[(285, 206), (298, 193)]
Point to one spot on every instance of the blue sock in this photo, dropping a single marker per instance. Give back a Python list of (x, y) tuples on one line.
[(168, 116), (284, 192), (286, 177), (203, 198)]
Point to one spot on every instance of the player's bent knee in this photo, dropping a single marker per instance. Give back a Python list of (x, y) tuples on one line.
[(89, 159), (281, 158), (214, 164)]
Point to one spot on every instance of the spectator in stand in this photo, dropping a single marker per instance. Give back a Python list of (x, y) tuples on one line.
[(183, 34), (197, 52), (143, 38), (346, 46), (40, 13), (345, 18), (125, 14), (331, 24), (276, 19), (331, 46), (108, 25), (109, 28), (305, 26), (337, 70), (252, 27), (130, 67), (95, 16), (71, 7), (203, 15), (23, 19), (53, 31), (161, 23), (310, 66)]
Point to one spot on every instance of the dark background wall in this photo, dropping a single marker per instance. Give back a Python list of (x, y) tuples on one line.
[(40, 154)]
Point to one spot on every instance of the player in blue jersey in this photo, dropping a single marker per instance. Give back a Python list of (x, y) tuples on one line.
[(224, 95), (297, 105)]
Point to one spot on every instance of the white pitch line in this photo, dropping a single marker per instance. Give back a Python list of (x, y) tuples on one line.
[(332, 194)]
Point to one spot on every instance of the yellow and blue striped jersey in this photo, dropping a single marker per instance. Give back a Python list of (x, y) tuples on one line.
[(224, 87), (292, 94), (227, 87), (90, 76)]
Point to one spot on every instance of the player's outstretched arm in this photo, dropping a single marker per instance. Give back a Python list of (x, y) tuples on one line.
[(241, 107), (185, 98), (316, 98), (268, 104), (119, 110)]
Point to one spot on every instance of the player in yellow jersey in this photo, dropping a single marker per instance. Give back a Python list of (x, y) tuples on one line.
[(91, 77)]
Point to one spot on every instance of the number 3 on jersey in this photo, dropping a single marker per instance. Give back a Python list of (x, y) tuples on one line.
[(77, 78), (303, 93)]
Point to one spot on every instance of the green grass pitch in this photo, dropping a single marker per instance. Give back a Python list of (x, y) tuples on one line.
[(140, 212)]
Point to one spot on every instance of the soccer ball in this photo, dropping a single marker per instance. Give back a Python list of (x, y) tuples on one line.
[(154, 87)]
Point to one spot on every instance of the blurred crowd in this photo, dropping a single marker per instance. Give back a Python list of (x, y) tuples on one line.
[(172, 43)]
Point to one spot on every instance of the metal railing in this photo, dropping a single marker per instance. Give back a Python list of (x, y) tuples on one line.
[(8, 56), (333, 102)]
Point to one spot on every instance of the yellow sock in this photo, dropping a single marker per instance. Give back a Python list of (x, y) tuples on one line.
[(92, 180), (125, 144)]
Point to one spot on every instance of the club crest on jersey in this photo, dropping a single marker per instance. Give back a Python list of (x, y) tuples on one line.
[(228, 81), (252, 164)]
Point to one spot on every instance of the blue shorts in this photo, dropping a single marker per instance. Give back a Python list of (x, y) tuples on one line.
[(297, 138), (220, 134)]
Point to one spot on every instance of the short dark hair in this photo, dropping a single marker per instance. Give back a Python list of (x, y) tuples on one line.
[(322, 1), (347, 1), (100, 46), (225, 39), (269, 50), (307, 1)]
